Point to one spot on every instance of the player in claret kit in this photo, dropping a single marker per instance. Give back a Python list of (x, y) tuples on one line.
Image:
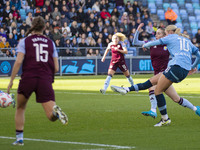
[(39, 59), (159, 59), (118, 49)]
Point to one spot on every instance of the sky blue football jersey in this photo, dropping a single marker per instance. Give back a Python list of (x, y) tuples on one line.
[(181, 50)]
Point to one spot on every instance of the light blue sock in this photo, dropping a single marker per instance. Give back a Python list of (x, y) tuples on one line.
[(153, 101), (107, 82), (185, 103), (19, 135), (130, 80)]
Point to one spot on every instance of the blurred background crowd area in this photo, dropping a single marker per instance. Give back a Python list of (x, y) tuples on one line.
[(85, 27)]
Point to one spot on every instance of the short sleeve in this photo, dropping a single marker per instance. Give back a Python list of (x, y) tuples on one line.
[(21, 46), (55, 53)]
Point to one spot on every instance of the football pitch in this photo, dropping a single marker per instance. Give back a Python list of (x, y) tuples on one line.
[(104, 122)]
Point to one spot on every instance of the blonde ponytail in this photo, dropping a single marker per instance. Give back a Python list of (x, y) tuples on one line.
[(176, 30), (121, 36)]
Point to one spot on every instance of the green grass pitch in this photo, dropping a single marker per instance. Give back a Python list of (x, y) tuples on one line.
[(104, 122)]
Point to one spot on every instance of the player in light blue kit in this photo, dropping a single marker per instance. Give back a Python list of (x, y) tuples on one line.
[(181, 50)]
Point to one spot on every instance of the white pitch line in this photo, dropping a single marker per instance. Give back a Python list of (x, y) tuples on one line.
[(75, 143), (131, 95)]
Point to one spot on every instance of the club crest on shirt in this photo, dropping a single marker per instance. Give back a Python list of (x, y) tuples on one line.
[(165, 48), (155, 47)]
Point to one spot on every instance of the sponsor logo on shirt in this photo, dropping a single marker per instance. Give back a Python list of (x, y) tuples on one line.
[(165, 48)]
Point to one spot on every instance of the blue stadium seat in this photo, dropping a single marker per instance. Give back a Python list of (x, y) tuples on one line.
[(198, 17), (176, 11), (153, 10), (174, 6), (188, 6), (161, 14), (197, 12), (195, 1), (166, 5), (193, 25), (151, 5), (196, 5), (199, 25), (194, 31), (179, 19), (183, 12), (179, 25), (192, 18)]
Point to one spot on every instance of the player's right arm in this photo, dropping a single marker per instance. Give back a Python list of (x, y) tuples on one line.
[(136, 41), (18, 62), (15, 70), (106, 52)]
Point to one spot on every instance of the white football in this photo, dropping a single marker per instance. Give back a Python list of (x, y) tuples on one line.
[(5, 100)]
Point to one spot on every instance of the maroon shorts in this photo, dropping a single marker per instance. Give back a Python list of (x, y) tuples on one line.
[(121, 65), (43, 89)]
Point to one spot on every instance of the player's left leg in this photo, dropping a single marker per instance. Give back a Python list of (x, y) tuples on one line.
[(163, 84), (129, 78), (171, 92), (20, 118), (54, 112)]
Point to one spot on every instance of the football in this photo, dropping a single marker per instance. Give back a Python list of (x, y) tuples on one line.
[(6, 100)]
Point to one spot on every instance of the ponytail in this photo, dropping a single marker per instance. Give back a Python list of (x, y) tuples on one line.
[(38, 25), (176, 30)]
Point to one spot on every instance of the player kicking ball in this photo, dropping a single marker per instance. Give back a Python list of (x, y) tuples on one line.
[(178, 68)]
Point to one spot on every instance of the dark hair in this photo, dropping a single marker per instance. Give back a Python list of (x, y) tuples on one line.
[(163, 30), (38, 24)]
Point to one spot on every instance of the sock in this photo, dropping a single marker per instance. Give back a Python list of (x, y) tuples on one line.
[(107, 82), (162, 106), (19, 135), (153, 101), (141, 86), (185, 103), (130, 80)]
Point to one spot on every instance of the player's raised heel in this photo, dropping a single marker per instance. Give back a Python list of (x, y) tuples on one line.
[(163, 123), (20, 143), (150, 113), (118, 89), (103, 91), (60, 114), (198, 110)]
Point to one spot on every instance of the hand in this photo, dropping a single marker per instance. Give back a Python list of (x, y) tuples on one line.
[(9, 87), (103, 59), (140, 26), (192, 71)]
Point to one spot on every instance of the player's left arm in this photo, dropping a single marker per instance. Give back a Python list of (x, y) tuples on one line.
[(55, 58), (124, 49), (15, 70)]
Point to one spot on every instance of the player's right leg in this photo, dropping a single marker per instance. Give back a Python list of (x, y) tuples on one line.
[(20, 118), (153, 102), (137, 87), (107, 81)]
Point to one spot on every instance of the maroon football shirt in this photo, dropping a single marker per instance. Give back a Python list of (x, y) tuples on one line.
[(159, 58)]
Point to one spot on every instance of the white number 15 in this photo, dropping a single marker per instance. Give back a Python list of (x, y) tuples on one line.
[(39, 51)]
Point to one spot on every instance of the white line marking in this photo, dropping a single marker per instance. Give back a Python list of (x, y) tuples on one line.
[(131, 95), (75, 143)]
